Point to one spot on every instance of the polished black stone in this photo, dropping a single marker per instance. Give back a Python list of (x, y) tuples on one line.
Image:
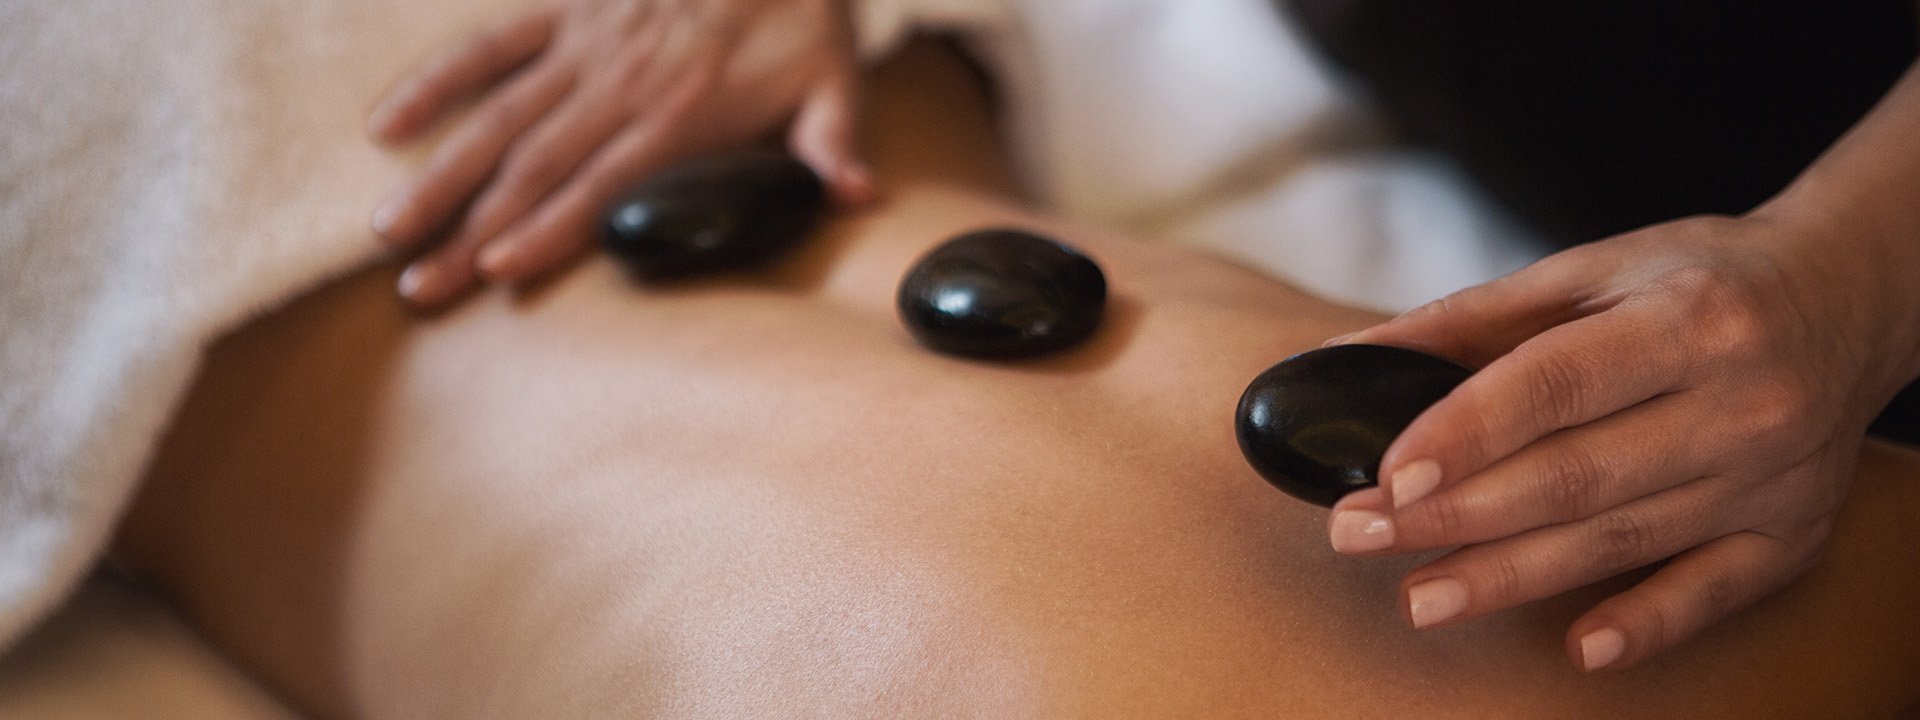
[(1002, 294), (1316, 424), (721, 212)]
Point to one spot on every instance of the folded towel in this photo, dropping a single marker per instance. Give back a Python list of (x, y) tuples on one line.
[(166, 170)]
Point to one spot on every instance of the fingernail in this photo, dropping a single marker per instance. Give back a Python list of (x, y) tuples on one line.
[(1601, 648), (1413, 481), (1436, 601), (1359, 531), (412, 282), (1336, 340), (385, 216)]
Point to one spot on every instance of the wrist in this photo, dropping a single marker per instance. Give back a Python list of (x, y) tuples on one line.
[(1861, 268)]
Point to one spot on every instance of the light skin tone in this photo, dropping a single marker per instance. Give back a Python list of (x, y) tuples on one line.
[(1694, 391), (601, 531), (579, 99)]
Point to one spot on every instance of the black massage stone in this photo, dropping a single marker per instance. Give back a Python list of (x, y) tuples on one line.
[(723, 212), (1316, 424), (1002, 294)]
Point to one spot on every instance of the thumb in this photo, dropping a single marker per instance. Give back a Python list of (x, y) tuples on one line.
[(1481, 323), (825, 136)]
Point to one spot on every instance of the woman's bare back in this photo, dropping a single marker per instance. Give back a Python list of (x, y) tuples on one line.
[(756, 497)]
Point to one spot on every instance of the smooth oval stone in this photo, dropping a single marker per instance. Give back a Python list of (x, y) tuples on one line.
[(1002, 294), (722, 212), (1316, 424)]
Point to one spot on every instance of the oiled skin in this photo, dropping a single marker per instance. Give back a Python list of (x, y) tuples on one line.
[(757, 497)]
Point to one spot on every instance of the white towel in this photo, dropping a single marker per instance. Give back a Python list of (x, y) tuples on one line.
[(169, 169), (166, 169)]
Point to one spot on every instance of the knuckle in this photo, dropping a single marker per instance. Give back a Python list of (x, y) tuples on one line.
[(507, 116), (1465, 423), (1569, 485), (1497, 581), (1441, 520), (533, 171), (1738, 330), (634, 64), (1653, 625), (1621, 541), (1558, 387), (1720, 596), (1727, 316), (1442, 307)]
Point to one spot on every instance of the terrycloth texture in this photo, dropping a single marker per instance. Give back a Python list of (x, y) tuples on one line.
[(167, 169)]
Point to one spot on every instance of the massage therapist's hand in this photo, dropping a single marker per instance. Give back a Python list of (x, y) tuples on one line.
[(578, 100), (1696, 390)]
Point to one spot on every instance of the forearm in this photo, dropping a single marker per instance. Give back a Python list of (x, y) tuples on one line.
[(1858, 211)]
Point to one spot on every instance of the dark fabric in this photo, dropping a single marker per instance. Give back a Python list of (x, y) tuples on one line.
[(1592, 117), (1901, 421), (1588, 118)]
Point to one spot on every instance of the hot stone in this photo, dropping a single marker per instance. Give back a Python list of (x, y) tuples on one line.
[(1002, 294), (722, 212), (1317, 424)]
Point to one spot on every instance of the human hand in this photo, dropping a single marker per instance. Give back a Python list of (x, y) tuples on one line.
[(1697, 390), (580, 99)]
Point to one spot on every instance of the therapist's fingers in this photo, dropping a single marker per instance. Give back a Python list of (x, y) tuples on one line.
[(443, 274), (1489, 577), (1476, 325), (471, 68), (541, 162), (1565, 376), (1568, 476), (1691, 593), (826, 136), (550, 154), (465, 161), (568, 221)]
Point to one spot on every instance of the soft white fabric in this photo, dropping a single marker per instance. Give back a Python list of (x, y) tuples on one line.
[(166, 169), (1211, 123)]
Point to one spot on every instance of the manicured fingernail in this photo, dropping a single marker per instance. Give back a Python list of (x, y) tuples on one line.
[(413, 282), (1436, 601), (1413, 481), (1359, 531), (1601, 648), (1336, 340)]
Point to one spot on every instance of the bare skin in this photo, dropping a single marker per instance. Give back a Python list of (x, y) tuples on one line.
[(755, 497), (1763, 344), (1762, 347)]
